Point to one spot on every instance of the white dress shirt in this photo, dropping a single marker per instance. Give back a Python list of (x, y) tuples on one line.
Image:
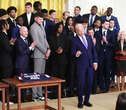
[(29, 17), (92, 19)]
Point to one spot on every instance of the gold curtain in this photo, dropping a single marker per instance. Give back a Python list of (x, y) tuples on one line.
[(58, 5)]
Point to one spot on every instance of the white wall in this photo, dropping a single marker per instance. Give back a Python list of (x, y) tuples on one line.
[(119, 7)]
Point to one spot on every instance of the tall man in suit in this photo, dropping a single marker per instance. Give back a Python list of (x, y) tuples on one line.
[(41, 52), (23, 50), (66, 14), (28, 16), (107, 42), (11, 20), (77, 17), (109, 16), (92, 16), (86, 60)]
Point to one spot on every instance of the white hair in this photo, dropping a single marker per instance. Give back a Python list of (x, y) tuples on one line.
[(122, 32)]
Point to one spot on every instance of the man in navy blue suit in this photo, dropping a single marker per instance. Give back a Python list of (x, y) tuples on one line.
[(109, 16), (22, 50), (86, 60), (107, 43)]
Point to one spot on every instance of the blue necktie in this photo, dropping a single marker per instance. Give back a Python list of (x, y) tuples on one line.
[(85, 42), (91, 20)]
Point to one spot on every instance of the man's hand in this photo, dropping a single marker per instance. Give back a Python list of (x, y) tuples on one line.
[(59, 50), (104, 39), (47, 54), (123, 53), (94, 41), (12, 41), (33, 44), (95, 66), (78, 53)]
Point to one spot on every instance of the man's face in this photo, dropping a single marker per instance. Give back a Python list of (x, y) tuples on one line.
[(28, 9), (111, 24), (12, 13), (20, 21), (76, 11), (24, 32), (79, 29), (105, 25), (109, 11), (39, 20), (91, 33), (97, 24), (45, 15), (53, 15), (66, 15), (93, 10)]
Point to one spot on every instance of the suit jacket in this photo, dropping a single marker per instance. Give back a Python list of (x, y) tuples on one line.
[(87, 17), (38, 34), (88, 56), (22, 55), (77, 19), (24, 16), (15, 32), (50, 28), (12, 25), (106, 48), (115, 19), (5, 55)]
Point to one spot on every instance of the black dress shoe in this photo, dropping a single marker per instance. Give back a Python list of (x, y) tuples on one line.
[(88, 104), (80, 105)]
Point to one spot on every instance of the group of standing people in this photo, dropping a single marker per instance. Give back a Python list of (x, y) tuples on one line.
[(83, 49)]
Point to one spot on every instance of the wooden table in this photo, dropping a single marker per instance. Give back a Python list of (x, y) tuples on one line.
[(21, 85), (4, 86)]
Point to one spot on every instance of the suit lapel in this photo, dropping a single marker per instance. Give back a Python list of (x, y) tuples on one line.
[(80, 42), (32, 19), (26, 19)]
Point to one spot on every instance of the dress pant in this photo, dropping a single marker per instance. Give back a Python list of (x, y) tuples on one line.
[(85, 79), (39, 67)]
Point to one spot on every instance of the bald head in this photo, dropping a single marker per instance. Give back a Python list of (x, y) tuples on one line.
[(24, 31), (79, 29)]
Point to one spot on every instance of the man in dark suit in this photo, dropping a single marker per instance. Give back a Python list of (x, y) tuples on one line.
[(92, 16), (109, 16), (11, 20), (22, 50), (77, 18), (28, 16), (86, 60), (50, 24), (107, 43)]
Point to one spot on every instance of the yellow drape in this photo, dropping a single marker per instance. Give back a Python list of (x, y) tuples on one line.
[(58, 5)]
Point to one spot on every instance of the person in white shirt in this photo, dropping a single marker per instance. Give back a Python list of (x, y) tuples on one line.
[(28, 16)]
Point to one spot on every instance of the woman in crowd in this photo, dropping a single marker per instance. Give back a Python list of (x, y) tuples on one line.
[(58, 45), (59, 50), (121, 60), (69, 25), (5, 51)]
